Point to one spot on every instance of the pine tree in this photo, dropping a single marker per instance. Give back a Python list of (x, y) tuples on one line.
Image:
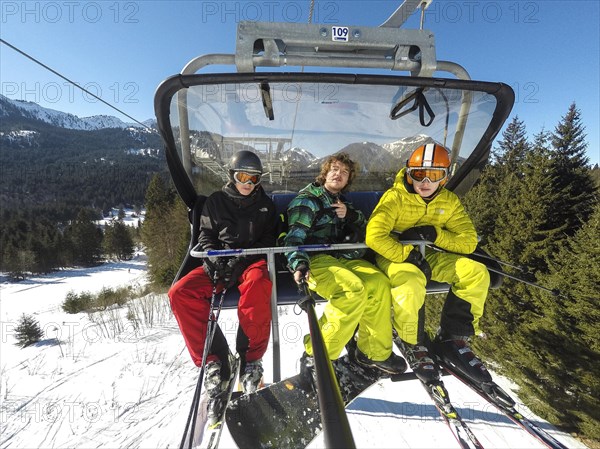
[(496, 210), (85, 239), (536, 200), (517, 208), (534, 336), (28, 331), (46, 243), (19, 262), (118, 241), (479, 203), (563, 372), (158, 195), (513, 146), (575, 271), (493, 189), (165, 233), (574, 185)]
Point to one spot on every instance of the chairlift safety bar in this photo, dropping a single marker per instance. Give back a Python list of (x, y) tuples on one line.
[(270, 252)]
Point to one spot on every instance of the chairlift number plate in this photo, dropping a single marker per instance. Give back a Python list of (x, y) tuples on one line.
[(340, 34)]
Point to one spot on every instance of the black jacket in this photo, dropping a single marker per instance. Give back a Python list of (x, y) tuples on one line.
[(230, 220)]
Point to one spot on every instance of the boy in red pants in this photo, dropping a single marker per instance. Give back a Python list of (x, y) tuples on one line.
[(241, 215)]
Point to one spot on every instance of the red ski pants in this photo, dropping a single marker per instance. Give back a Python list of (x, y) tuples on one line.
[(190, 301)]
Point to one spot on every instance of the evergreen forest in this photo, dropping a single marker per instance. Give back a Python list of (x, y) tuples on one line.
[(56, 182)]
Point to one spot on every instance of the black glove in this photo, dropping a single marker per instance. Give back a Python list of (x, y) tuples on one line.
[(233, 270), (302, 268), (416, 258), (353, 234), (215, 267), (426, 232)]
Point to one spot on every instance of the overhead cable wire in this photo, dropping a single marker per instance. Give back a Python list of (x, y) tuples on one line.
[(75, 84)]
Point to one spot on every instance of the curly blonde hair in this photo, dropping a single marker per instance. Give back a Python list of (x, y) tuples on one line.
[(342, 158)]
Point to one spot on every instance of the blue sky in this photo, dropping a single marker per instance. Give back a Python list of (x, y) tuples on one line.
[(548, 51)]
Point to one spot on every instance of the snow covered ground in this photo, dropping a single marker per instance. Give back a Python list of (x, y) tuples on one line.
[(87, 384)]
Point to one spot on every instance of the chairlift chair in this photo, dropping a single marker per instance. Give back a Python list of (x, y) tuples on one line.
[(296, 90)]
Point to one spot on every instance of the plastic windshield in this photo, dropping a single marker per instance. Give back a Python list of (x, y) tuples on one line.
[(293, 122)]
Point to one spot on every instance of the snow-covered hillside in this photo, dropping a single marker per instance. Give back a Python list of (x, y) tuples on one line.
[(90, 384), (33, 110)]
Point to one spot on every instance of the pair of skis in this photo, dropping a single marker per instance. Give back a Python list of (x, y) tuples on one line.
[(439, 395), (490, 392), (495, 395)]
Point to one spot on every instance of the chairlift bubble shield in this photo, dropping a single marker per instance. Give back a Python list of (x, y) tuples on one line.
[(294, 120)]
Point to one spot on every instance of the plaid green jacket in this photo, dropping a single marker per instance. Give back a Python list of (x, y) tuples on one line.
[(312, 220)]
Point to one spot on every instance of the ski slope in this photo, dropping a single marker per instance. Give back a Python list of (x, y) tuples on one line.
[(80, 387)]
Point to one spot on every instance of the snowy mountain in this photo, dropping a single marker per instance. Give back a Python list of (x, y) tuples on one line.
[(103, 155), (30, 110), (298, 157), (123, 378), (402, 148), (372, 157)]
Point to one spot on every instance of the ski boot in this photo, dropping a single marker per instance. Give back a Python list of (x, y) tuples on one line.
[(455, 352), (420, 363), (216, 382), (307, 369), (252, 376), (394, 364)]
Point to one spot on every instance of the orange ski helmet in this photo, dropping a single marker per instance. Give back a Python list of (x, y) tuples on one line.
[(430, 161)]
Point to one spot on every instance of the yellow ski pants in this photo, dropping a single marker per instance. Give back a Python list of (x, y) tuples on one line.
[(464, 304), (357, 293)]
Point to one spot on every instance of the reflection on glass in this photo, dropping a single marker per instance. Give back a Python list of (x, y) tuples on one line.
[(297, 124)]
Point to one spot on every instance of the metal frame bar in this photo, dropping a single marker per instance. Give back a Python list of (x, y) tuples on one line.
[(270, 253)]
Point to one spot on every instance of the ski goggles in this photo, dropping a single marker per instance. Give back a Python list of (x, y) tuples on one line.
[(420, 174), (246, 178)]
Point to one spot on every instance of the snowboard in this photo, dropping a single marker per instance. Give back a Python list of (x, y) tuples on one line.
[(286, 414)]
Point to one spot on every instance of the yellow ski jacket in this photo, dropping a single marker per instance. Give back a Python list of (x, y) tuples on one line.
[(399, 210)]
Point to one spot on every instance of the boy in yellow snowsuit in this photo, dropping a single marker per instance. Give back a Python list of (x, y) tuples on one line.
[(418, 207)]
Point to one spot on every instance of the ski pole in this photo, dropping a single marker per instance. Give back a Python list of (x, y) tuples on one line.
[(192, 417), (553, 292), (483, 255), (477, 252), (210, 332)]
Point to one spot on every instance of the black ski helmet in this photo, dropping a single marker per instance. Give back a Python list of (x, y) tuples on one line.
[(246, 161)]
